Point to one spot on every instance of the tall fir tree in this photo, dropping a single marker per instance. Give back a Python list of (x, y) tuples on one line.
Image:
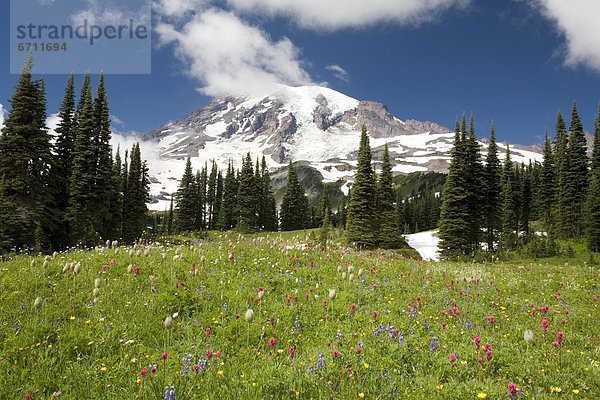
[(454, 226), (103, 172), (388, 232), (510, 224), (115, 222), (294, 205), (227, 218), (201, 183), (576, 176), (526, 197), (138, 187), (268, 209), (211, 196), (360, 219), (593, 198), (247, 198), (186, 201), (561, 163), (218, 201), (81, 212), (25, 162), (474, 173), (547, 189), (492, 202), (170, 217), (60, 174)]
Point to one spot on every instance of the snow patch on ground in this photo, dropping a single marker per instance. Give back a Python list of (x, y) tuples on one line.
[(426, 243)]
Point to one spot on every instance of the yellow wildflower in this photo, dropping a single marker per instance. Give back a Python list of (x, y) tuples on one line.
[(481, 395)]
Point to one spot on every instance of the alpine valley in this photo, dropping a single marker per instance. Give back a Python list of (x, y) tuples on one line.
[(315, 126)]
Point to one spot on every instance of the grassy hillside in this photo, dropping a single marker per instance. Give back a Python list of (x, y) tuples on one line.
[(328, 324)]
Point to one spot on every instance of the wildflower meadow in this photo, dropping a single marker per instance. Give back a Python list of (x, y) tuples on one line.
[(274, 316)]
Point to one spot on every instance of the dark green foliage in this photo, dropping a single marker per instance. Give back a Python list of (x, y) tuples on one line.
[(360, 220), (186, 201), (103, 169), (227, 217), (510, 224), (201, 183), (63, 161), (115, 205), (294, 212), (388, 232), (526, 198), (81, 212), (547, 188), (454, 222), (474, 172), (170, 217), (573, 197), (561, 162), (218, 201), (268, 208), (211, 197), (247, 198), (593, 199), (135, 203), (25, 162), (492, 203)]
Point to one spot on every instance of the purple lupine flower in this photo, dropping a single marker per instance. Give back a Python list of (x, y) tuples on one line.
[(433, 344), (169, 393), (321, 361)]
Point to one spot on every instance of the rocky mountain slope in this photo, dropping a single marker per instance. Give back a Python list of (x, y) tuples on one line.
[(309, 123)]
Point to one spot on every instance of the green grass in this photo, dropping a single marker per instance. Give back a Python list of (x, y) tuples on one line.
[(97, 350)]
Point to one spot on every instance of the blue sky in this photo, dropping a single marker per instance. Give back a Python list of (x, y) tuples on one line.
[(513, 62)]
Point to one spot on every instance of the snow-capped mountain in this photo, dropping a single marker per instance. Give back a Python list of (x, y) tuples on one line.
[(308, 123)]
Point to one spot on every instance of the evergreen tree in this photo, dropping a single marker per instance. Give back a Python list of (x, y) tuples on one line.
[(103, 171), (492, 203), (593, 199), (547, 189), (247, 198), (454, 226), (211, 195), (115, 206), (360, 223), (268, 209), (137, 186), (576, 176), (186, 201), (201, 182), (81, 212), (508, 237), (294, 206), (474, 173), (60, 174), (526, 197), (561, 162), (227, 218), (25, 161), (218, 201), (388, 233)]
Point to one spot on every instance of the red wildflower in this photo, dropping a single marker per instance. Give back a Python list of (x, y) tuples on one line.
[(164, 355), (136, 270), (272, 341), (374, 314), (545, 325), (144, 372), (452, 358), (209, 354), (490, 319), (560, 337), (292, 352), (335, 353), (207, 331), (477, 341)]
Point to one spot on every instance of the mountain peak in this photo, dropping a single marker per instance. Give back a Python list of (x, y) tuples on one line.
[(314, 124)]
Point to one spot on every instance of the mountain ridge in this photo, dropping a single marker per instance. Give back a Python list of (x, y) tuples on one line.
[(314, 124)]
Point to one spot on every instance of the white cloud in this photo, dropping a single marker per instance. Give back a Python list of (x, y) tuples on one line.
[(338, 72), (178, 8), (332, 15), (230, 56), (110, 12), (577, 20), (2, 112)]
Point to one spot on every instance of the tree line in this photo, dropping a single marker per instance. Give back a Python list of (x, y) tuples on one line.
[(68, 189), (491, 206)]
